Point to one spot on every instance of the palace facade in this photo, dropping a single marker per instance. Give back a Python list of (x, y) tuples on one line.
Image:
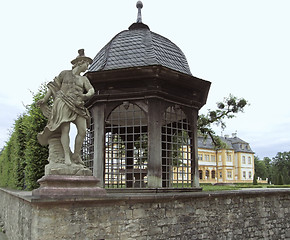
[(235, 164)]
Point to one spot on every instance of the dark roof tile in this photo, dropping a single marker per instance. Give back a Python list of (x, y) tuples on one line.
[(139, 47), (234, 143)]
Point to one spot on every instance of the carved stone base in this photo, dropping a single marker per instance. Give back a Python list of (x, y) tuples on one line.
[(57, 164), (63, 169), (67, 186)]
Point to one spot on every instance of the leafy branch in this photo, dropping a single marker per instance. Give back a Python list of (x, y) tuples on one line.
[(226, 109)]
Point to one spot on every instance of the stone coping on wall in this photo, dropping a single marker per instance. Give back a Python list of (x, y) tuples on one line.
[(113, 198)]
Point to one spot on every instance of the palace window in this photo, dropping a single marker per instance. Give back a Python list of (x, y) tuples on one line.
[(244, 160), (212, 157), (199, 157), (250, 175), (229, 174), (249, 160), (229, 158), (213, 174), (207, 174), (244, 174), (182, 174), (206, 158), (200, 174)]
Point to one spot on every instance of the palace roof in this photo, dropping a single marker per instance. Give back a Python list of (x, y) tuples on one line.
[(233, 143)]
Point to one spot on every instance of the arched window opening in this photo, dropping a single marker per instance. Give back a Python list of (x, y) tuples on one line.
[(126, 147), (176, 149)]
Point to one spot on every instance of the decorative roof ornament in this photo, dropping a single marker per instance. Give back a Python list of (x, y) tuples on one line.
[(139, 5), (139, 47)]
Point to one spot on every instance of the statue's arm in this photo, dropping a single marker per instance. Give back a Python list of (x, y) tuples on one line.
[(46, 110), (58, 81), (45, 98), (90, 91), (47, 95)]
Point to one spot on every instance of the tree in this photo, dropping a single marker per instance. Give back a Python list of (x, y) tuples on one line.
[(269, 169), (281, 166), (225, 110), (280, 179), (260, 168), (255, 182)]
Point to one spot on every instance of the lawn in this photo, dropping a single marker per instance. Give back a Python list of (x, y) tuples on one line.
[(219, 187), (209, 187)]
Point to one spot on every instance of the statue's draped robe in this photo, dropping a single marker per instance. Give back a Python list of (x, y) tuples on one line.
[(67, 105)]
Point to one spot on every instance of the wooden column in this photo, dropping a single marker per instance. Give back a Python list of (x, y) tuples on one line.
[(194, 150), (99, 137), (154, 144)]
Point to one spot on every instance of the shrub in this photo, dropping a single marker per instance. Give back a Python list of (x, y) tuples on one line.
[(255, 182)]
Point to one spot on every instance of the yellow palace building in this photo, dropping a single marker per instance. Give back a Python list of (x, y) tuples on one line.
[(235, 164)]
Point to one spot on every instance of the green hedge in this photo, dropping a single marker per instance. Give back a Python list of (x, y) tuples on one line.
[(23, 159), (278, 186)]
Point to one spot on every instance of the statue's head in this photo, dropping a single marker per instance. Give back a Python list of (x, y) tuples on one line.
[(81, 58)]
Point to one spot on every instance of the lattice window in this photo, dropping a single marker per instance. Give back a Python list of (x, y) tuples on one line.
[(126, 147), (87, 151), (176, 149)]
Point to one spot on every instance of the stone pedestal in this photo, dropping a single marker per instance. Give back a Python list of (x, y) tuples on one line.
[(67, 186), (57, 164), (63, 169)]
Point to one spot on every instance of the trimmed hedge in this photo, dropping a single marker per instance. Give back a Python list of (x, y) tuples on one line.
[(23, 159)]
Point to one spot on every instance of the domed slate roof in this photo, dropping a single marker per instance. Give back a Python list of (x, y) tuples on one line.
[(138, 47)]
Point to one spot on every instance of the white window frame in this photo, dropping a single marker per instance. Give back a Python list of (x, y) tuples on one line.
[(243, 160)]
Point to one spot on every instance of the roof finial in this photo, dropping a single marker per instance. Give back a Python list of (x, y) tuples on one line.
[(139, 5)]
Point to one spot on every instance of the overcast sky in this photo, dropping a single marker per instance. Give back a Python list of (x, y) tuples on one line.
[(241, 46)]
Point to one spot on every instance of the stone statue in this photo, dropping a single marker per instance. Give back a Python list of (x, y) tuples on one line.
[(69, 91)]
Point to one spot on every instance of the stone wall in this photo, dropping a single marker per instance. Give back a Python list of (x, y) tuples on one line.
[(16, 213), (246, 214)]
